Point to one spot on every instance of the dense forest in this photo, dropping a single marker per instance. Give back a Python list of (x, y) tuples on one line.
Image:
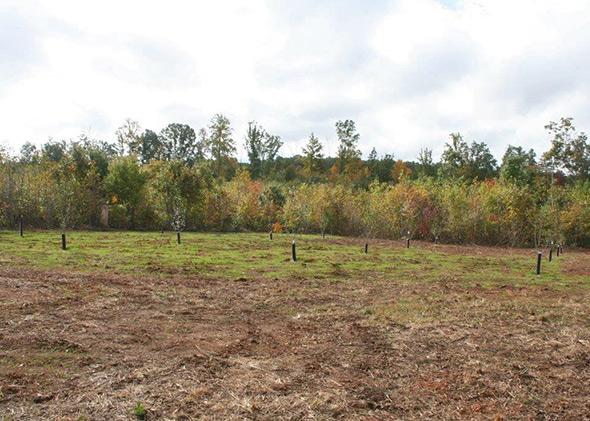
[(180, 179)]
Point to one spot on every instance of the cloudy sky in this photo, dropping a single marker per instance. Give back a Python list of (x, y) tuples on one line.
[(408, 72)]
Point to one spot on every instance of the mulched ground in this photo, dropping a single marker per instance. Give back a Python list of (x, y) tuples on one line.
[(91, 346)]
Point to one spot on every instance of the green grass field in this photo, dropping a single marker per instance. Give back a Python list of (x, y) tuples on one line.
[(253, 255)]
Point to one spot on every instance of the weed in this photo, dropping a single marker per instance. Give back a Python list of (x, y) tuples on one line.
[(139, 411)]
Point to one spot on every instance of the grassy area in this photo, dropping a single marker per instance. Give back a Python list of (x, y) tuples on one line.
[(254, 256)]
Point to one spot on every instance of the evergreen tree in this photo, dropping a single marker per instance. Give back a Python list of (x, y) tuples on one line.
[(372, 163), (312, 156)]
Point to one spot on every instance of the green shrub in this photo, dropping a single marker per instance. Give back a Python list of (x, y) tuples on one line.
[(118, 217)]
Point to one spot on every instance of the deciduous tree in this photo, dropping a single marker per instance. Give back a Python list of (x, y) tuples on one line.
[(179, 143), (127, 135), (348, 148), (221, 142), (570, 151)]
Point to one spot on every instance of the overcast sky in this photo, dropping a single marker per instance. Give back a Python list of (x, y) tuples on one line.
[(408, 72)]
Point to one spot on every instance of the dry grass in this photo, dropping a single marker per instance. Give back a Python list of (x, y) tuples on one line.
[(90, 346), (227, 328)]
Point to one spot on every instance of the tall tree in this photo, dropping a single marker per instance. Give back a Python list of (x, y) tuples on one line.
[(348, 149), (203, 144), (128, 134), (272, 144), (425, 163), (262, 149), (54, 151), (179, 142), (473, 161), (254, 146), (372, 163), (148, 147), (29, 153), (517, 165), (221, 142), (481, 163), (312, 156), (454, 157), (570, 151)]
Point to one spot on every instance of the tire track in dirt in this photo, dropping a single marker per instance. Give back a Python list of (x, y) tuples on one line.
[(94, 345)]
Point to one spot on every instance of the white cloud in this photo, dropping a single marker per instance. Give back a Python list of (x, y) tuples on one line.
[(515, 65), (408, 72)]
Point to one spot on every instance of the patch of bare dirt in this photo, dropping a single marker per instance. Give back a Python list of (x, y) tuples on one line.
[(579, 265), (93, 346)]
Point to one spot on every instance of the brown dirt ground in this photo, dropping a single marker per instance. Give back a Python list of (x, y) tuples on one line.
[(90, 346)]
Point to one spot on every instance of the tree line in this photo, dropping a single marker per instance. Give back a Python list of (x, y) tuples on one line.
[(181, 179)]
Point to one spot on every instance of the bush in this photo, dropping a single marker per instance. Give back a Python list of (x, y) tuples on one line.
[(118, 217)]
